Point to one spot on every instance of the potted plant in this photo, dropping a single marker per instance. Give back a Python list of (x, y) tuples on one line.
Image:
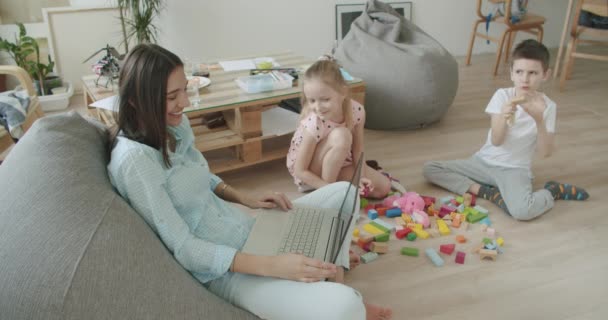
[(137, 20), (22, 51)]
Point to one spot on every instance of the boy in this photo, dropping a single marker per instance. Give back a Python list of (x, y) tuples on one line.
[(523, 120)]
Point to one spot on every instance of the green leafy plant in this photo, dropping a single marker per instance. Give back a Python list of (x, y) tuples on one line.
[(137, 20), (22, 50)]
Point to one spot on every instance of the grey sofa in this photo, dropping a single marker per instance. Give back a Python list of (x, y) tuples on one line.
[(72, 248)]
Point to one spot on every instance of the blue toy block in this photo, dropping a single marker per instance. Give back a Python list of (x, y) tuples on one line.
[(434, 256), (481, 209), (486, 221), (372, 214), (393, 212)]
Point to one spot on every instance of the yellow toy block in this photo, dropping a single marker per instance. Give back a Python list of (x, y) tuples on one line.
[(444, 230), (421, 233), (412, 225), (406, 217), (372, 229), (500, 241), (399, 221), (356, 232)]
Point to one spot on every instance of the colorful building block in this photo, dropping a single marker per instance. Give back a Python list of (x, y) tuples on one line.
[(382, 237), (435, 258), (428, 201), (389, 226), (406, 217), (370, 228), (460, 257), (445, 200), (393, 212), (381, 211), (421, 233), (402, 233), (445, 209), (372, 214), (411, 236), (379, 247), (407, 251), (461, 239), (421, 217), (399, 221), (443, 227), (475, 216), (364, 203), (460, 199), (369, 257), (500, 241), (467, 198), (481, 209), (433, 233), (447, 248), (486, 221), (488, 254), (356, 232)]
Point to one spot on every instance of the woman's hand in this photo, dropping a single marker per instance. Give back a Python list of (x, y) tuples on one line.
[(268, 200), (300, 268)]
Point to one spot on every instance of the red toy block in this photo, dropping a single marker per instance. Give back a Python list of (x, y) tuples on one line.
[(473, 199), (445, 210), (454, 202), (428, 201), (460, 257), (381, 211), (447, 248), (378, 205), (368, 207), (402, 233)]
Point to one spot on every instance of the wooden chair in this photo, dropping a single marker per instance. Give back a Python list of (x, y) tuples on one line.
[(34, 110), (598, 7), (530, 23)]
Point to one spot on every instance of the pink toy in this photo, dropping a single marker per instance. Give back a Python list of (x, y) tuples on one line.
[(388, 201), (421, 217), (409, 202), (460, 257)]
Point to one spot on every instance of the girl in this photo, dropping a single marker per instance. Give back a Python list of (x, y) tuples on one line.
[(329, 138), (155, 166)]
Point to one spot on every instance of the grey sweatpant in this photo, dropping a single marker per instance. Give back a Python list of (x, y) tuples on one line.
[(515, 184)]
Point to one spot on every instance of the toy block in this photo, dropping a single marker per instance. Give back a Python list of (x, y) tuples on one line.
[(406, 217), (467, 198), (433, 232), (443, 228), (460, 257), (382, 237), (461, 239), (445, 200), (402, 233), (385, 224), (369, 257), (411, 236), (481, 209), (456, 222), (370, 228), (454, 202), (412, 225), (487, 254), (393, 212), (447, 248), (368, 207), (397, 228), (365, 238), (460, 208), (486, 240), (364, 203), (378, 205), (421, 217), (435, 258), (356, 232), (372, 214), (486, 221), (473, 200), (491, 232), (421, 233), (432, 211), (399, 221), (445, 209), (476, 216), (379, 247), (460, 199), (363, 245), (500, 241), (381, 211), (407, 251)]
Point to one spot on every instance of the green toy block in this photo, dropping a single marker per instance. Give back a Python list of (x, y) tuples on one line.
[(475, 216), (459, 199), (486, 240), (411, 236), (382, 237), (381, 227), (412, 252), (364, 202)]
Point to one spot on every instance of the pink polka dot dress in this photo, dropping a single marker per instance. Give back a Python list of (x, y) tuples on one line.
[(319, 129)]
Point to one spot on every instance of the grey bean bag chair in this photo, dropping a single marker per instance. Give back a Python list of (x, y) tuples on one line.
[(411, 79)]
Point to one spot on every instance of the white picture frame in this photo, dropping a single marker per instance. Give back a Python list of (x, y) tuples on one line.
[(347, 13)]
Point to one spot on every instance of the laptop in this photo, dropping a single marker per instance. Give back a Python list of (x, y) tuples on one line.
[(317, 233)]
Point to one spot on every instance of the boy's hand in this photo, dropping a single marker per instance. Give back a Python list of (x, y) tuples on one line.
[(508, 112), (300, 268), (535, 106)]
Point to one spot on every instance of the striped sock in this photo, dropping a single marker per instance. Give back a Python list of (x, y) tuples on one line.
[(492, 194), (565, 191)]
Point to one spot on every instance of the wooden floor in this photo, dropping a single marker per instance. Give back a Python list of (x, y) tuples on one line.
[(555, 267)]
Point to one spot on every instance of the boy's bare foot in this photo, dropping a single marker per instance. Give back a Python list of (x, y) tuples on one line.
[(354, 259), (375, 312)]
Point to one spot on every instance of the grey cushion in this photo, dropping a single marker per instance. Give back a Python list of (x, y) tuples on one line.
[(72, 248), (411, 79)]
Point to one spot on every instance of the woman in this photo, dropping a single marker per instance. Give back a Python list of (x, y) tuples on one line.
[(156, 168)]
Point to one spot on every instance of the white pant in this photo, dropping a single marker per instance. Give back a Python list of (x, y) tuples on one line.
[(273, 298)]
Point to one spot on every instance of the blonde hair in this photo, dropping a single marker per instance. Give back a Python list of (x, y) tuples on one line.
[(328, 72)]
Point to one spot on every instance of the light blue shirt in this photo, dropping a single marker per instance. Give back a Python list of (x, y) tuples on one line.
[(202, 231)]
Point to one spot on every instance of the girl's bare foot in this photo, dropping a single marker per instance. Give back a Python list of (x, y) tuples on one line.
[(375, 312)]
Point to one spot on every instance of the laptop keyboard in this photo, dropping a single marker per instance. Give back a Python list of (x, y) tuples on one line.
[(303, 234)]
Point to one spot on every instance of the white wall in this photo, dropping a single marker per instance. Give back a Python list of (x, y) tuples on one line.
[(228, 28)]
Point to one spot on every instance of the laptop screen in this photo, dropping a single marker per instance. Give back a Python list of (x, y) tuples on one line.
[(346, 212)]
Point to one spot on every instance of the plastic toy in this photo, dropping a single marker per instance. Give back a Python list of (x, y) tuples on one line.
[(447, 248), (407, 251), (369, 257), (421, 217), (379, 247), (460, 257), (409, 201), (435, 258)]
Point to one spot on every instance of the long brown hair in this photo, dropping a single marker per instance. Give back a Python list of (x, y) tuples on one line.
[(143, 97), (329, 73)]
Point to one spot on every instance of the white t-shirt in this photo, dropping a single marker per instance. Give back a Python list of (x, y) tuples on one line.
[(520, 142)]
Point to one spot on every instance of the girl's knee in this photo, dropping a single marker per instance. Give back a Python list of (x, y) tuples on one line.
[(343, 302), (340, 137)]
